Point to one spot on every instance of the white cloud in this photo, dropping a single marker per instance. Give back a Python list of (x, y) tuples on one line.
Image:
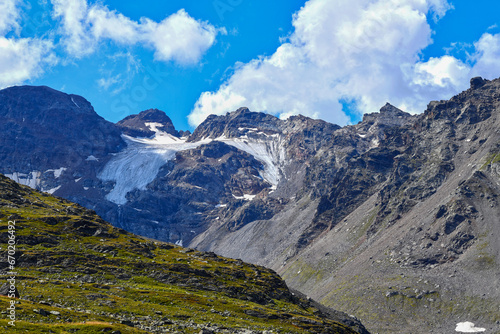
[(23, 59), (107, 82), (82, 27), (363, 50), (106, 24), (73, 15), (487, 56), (178, 37), (9, 15), (445, 71)]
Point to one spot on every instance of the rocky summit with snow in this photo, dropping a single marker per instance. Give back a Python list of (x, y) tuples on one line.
[(395, 220)]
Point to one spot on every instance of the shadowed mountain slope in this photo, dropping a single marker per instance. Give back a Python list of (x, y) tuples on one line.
[(77, 273)]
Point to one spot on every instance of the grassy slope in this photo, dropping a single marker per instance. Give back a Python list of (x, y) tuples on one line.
[(95, 278)]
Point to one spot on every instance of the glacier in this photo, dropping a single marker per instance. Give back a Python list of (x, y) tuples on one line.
[(145, 157), (142, 157)]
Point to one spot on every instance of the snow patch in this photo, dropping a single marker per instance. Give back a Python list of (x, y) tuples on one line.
[(91, 158), (265, 134), (74, 102), (53, 190), (179, 243), (221, 205), (160, 135), (375, 143), (269, 152), (57, 172), (245, 197), (143, 157), (468, 327), (31, 180)]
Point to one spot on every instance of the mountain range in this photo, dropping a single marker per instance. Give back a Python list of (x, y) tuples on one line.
[(394, 219)]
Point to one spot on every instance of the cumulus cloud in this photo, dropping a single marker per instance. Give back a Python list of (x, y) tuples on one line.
[(21, 59), (487, 56), (442, 72), (367, 51), (178, 37), (83, 27)]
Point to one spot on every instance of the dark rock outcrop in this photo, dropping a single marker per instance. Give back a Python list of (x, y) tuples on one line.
[(45, 129), (9, 290), (140, 125)]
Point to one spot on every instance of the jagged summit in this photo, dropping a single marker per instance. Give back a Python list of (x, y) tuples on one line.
[(244, 122), (390, 109), (147, 123), (388, 115), (239, 112), (236, 124), (474, 105), (373, 125)]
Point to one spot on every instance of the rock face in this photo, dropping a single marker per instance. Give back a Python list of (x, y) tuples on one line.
[(49, 138), (48, 129), (400, 209)]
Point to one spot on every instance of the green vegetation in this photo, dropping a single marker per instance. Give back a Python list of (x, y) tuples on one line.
[(78, 274), (490, 160)]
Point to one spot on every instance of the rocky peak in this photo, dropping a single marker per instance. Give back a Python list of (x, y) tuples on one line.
[(477, 82), (241, 112), (146, 122), (303, 122), (390, 109), (236, 124), (388, 117), (37, 102), (469, 107)]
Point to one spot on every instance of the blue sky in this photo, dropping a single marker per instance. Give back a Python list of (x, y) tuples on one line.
[(329, 59)]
